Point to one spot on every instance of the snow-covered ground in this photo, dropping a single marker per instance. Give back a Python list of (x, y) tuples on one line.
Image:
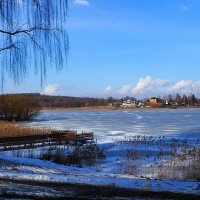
[(45, 171), (153, 162)]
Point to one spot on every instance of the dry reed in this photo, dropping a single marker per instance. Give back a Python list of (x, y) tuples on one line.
[(12, 129)]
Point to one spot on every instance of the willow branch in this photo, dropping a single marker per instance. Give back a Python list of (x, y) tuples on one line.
[(26, 30), (7, 47)]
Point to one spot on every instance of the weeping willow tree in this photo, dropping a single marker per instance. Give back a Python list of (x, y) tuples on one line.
[(32, 35)]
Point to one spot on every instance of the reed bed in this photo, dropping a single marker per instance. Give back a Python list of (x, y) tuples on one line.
[(12, 129), (161, 157)]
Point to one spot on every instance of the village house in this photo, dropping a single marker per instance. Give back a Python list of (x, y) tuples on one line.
[(129, 103), (154, 102)]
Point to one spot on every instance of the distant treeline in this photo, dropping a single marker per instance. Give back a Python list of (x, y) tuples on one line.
[(24, 106), (182, 100), (65, 101)]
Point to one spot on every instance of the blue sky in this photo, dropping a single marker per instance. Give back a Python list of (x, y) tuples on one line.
[(138, 48)]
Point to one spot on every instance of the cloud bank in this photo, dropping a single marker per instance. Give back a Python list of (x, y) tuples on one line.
[(181, 86), (148, 86), (125, 89)]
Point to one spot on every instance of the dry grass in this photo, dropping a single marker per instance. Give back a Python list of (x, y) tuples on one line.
[(88, 155), (12, 129), (160, 157)]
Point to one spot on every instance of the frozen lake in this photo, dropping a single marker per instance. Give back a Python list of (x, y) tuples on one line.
[(162, 161), (108, 125)]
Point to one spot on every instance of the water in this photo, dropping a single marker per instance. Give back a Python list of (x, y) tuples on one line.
[(111, 124)]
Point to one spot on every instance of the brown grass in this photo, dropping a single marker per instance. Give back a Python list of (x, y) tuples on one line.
[(174, 158), (12, 129)]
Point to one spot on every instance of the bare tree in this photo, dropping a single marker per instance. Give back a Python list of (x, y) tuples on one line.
[(32, 36), (178, 99)]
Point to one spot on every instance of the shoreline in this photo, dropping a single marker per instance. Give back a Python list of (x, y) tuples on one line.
[(114, 108), (88, 191)]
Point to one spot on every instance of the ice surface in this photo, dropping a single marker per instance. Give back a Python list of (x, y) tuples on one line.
[(107, 126), (118, 123)]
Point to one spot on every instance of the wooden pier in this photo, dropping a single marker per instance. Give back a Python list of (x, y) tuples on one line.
[(54, 137)]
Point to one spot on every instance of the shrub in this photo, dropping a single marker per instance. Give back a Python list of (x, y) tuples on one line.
[(132, 155), (88, 155), (80, 155), (17, 107)]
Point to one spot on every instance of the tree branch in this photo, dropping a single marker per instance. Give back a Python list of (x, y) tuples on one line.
[(7, 47), (32, 38), (25, 30)]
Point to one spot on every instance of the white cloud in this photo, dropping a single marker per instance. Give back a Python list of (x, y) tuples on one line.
[(51, 89), (181, 86), (196, 86), (161, 82), (108, 89), (125, 89), (82, 2), (148, 84), (143, 84)]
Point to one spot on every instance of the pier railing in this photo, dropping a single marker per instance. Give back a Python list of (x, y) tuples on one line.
[(54, 137)]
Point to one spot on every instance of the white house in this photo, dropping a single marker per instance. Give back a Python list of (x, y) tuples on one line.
[(128, 103)]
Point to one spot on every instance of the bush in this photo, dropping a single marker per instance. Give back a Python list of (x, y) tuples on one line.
[(88, 155), (17, 107)]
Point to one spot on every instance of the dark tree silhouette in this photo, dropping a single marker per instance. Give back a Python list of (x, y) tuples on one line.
[(32, 36)]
